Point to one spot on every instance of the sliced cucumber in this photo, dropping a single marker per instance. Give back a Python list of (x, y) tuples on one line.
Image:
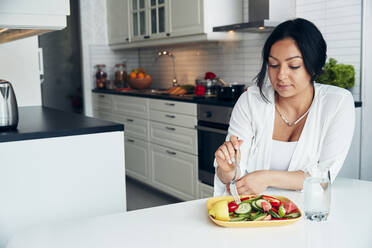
[(292, 215), (255, 206), (244, 208), (252, 199), (240, 218), (259, 216), (274, 215), (258, 204)]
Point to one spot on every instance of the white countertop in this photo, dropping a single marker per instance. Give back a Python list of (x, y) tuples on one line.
[(187, 225)]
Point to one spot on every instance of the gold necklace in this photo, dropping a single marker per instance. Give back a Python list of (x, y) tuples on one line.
[(288, 122)]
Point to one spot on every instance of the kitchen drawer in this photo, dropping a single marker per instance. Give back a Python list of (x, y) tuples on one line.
[(132, 106), (102, 102), (136, 159), (179, 138), (174, 107), (173, 172), (135, 127), (104, 115), (173, 118)]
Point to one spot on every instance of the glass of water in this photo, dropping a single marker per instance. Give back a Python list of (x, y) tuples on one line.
[(317, 194)]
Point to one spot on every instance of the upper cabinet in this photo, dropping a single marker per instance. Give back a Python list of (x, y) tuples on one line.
[(117, 21), (162, 22), (23, 18)]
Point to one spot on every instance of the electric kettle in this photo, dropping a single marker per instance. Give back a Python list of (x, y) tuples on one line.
[(8, 106)]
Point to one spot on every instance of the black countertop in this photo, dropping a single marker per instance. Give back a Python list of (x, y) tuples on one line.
[(41, 122), (184, 98)]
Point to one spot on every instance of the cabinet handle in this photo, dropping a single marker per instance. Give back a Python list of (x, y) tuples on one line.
[(101, 96), (127, 39), (170, 104), (170, 116), (146, 37), (171, 128), (130, 120), (130, 140), (168, 34), (171, 153)]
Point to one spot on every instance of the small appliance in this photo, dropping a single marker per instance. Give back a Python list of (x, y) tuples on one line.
[(8, 106)]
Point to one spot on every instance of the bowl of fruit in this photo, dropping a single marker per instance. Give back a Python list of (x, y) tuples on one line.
[(139, 79)]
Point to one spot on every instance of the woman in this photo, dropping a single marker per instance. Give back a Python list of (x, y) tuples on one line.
[(288, 125)]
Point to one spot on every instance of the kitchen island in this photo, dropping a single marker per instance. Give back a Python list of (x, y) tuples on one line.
[(59, 166), (187, 225)]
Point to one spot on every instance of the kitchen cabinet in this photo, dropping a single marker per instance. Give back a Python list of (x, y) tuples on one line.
[(148, 19), (174, 172), (205, 191), (136, 158), (160, 140), (164, 22), (117, 21), (37, 14), (173, 148), (133, 113)]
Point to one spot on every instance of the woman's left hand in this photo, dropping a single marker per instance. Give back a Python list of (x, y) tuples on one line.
[(253, 183)]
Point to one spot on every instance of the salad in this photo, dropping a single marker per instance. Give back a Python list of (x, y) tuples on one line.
[(254, 208)]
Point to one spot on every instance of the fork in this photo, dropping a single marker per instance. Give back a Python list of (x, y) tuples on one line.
[(233, 189)]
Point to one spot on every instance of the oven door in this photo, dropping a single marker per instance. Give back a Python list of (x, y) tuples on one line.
[(210, 137)]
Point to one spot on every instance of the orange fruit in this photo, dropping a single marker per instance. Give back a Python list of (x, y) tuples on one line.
[(140, 75), (132, 74), (147, 76)]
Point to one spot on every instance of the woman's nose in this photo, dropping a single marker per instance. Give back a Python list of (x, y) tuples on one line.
[(282, 73)]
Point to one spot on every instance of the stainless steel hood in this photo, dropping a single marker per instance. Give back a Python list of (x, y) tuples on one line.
[(263, 16)]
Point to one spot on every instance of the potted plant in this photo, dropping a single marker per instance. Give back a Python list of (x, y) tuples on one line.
[(337, 74)]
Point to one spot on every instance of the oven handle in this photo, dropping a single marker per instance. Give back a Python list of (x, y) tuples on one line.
[(210, 129)]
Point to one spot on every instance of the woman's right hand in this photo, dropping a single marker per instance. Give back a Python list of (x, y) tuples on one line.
[(225, 154)]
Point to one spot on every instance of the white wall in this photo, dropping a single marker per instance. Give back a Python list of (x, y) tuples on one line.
[(19, 65)]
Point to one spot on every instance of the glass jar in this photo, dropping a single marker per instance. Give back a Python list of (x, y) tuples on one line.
[(120, 76), (317, 194), (101, 76)]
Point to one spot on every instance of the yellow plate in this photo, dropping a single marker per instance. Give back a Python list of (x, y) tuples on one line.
[(211, 202)]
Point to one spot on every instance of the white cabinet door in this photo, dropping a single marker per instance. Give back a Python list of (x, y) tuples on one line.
[(186, 17), (136, 159), (118, 21), (173, 172), (205, 191), (36, 14)]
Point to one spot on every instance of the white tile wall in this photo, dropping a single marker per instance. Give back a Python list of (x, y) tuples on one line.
[(340, 23), (338, 20), (102, 54)]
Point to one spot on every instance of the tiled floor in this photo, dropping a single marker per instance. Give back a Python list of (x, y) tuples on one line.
[(141, 196)]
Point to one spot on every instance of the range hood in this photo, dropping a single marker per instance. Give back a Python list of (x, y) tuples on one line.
[(263, 16), (23, 18)]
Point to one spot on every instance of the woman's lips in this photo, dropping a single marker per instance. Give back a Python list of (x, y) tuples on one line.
[(284, 86)]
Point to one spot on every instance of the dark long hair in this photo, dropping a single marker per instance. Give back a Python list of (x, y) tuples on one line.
[(308, 39)]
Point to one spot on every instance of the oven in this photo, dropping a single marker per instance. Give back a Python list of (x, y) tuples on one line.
[(213, 122)]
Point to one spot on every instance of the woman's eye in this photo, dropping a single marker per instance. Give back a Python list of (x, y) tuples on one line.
[(273, 66), (294, 67)]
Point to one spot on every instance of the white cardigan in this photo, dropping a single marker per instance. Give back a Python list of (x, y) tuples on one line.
[(324, 141)]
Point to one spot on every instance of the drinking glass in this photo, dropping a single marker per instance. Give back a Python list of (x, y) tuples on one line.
[(317, 194)]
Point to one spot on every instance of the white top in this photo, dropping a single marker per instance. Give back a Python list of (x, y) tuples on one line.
[(325, 138), (186, 224), (281, 155)]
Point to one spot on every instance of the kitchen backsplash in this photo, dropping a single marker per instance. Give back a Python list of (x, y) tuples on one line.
[(239, 61)]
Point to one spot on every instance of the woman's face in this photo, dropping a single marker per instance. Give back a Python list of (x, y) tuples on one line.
[(287, 72)]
